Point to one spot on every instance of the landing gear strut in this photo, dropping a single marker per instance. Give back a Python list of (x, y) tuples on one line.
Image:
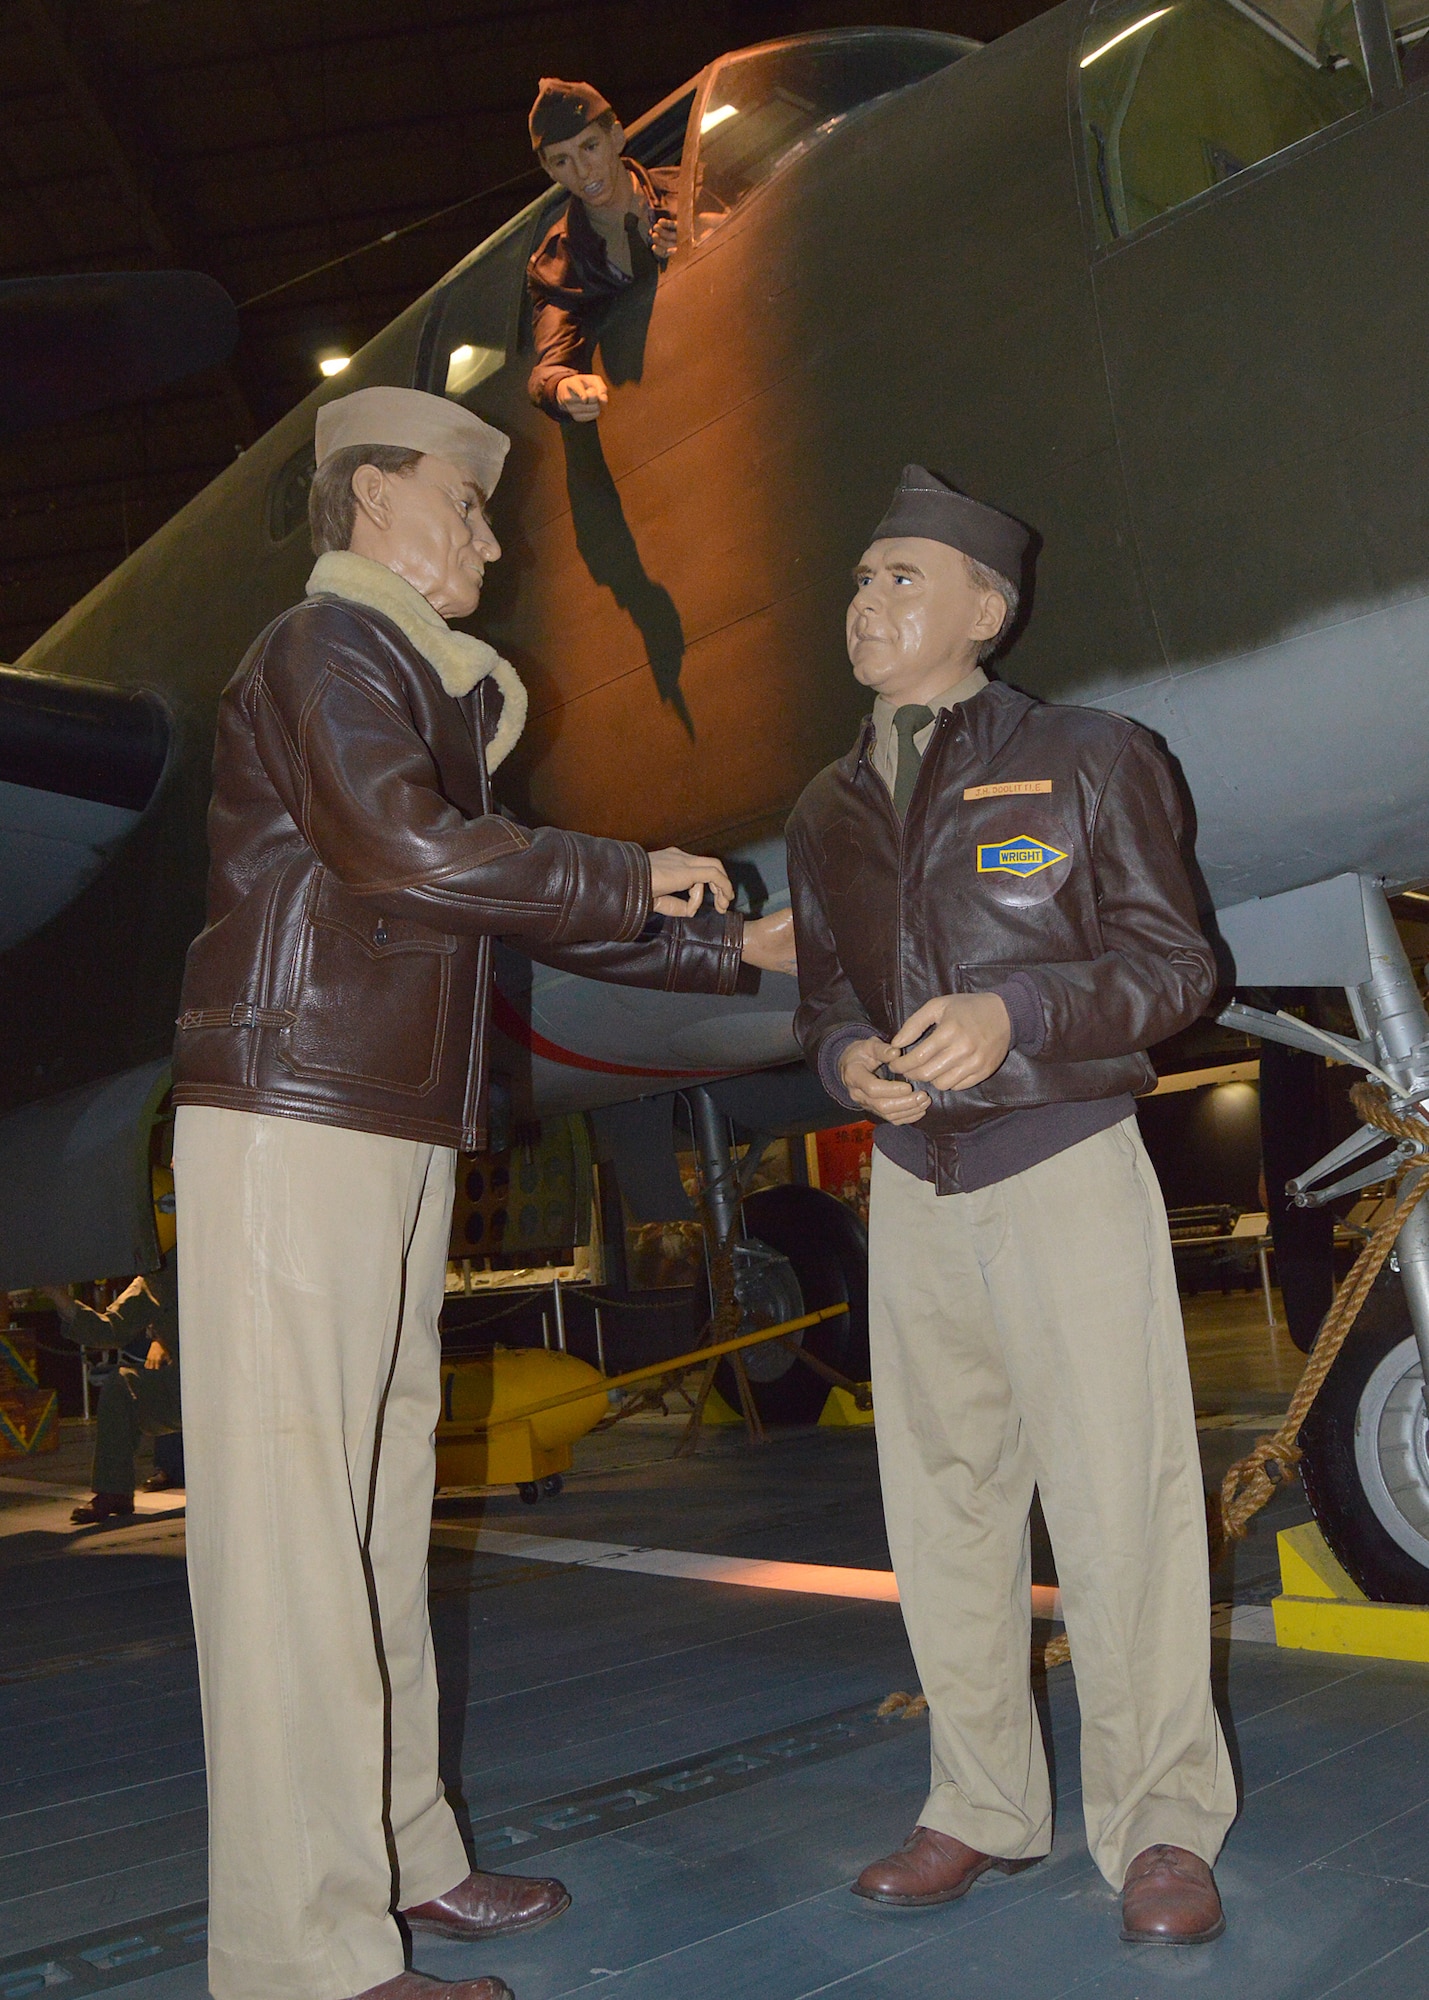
[(796, 1250)]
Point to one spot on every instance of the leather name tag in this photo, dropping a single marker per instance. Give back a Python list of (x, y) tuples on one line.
[(1017, 788)]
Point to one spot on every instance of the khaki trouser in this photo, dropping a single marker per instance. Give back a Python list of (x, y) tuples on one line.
[(312, 1263), (1029, 1334)]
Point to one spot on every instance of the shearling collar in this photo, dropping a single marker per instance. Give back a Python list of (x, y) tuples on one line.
[(458, 660)]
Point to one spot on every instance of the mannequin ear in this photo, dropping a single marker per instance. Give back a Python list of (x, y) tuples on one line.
[(617, 133), (369, 490), (989, 620)]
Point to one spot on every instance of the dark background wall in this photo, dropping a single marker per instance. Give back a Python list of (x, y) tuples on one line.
[(1205, 1144), (265, 142)]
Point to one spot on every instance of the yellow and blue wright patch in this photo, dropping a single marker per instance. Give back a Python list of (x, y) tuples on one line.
[(1021, 856)]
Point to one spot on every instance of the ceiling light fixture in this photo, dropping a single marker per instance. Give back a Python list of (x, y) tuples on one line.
[(459, 355), (333, 364), (1134, 29)]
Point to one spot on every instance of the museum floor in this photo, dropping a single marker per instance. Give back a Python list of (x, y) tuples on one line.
[(700, 1760)]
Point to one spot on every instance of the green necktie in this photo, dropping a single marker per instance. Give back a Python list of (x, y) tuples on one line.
[(906, 724), (644, 264)]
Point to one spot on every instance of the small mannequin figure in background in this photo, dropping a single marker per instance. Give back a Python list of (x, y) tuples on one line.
[(134, 1402)]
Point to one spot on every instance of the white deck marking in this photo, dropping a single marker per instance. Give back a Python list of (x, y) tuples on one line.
[(752, 1572)]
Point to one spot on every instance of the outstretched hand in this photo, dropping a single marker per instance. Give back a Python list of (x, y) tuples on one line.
[(678, 882), (581, 397), (769, 942)]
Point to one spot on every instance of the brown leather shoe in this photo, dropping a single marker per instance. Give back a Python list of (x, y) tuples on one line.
[(930, 1868), (104, 1507), (490, 1906), (1170, 1897), (417, 1986)]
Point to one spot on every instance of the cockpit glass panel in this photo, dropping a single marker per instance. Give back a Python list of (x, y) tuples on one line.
[(765, 109), (477, 320), (1178, 98), (288, 494), (1410, 22)]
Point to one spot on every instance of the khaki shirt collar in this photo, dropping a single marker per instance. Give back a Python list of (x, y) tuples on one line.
[(883, 753)]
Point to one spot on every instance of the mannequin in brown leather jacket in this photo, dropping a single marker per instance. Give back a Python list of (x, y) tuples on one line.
[(330, 1061), (993, 921), (616, 231)]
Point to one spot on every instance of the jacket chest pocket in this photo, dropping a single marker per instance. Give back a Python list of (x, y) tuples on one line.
[(371, 994), (1020, 853)]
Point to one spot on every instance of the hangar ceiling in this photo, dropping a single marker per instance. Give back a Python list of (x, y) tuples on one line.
[(263, 141)]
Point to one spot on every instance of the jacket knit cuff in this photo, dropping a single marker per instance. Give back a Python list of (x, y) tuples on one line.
[(1019, 995), (831, 1053)]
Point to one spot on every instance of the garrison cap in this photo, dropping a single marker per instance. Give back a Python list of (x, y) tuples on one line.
[(414, 421), (562, 110), (927, 507)]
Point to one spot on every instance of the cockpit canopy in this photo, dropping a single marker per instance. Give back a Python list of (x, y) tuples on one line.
[(763, 108), (749, 116)]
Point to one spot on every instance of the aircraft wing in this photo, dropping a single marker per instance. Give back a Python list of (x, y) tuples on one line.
[(79, 762)]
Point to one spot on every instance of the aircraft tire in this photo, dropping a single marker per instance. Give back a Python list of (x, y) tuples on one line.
[(1366, 1454), (827, 1247)]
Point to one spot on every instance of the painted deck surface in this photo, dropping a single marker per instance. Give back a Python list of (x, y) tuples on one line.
[(697, 1760)]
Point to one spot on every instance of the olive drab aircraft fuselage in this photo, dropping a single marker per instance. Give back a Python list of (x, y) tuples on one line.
[(1150, 278)]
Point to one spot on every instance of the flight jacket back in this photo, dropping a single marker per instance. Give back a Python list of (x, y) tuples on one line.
[(1039, 856), (358, 876)]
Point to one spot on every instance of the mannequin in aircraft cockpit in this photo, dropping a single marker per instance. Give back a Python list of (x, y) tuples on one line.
[(616, 230)]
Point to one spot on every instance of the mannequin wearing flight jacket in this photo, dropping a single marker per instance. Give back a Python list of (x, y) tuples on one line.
[(993, 922), (331, 1059)]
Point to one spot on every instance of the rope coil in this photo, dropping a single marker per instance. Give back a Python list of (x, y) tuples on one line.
[(1252, 1480)]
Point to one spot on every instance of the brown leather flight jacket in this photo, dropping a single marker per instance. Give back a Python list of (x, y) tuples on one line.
[(1040, 850), (358, 875)]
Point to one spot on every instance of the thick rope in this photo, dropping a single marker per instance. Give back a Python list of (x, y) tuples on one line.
[(1252, 1480)]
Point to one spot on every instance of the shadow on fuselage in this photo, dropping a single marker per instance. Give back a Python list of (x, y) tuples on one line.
[(603, 535)]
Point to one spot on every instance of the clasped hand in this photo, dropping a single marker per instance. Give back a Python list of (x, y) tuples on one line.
[(961, 1039), (677, 888), (678, 882)]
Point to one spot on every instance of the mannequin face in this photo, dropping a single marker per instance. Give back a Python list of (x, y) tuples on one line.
[(590, 166), (430, 527), (917, 619)]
